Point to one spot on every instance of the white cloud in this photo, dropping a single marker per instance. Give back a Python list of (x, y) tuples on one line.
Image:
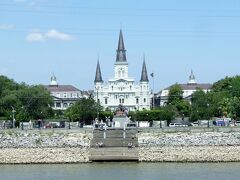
[(54, 34), (6, 26), (35, 36), (51, 34)]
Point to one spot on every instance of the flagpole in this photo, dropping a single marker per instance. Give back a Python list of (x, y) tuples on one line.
[(153, 97)]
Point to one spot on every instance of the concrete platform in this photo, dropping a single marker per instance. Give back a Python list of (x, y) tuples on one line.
[(113, 154), (114, 145)]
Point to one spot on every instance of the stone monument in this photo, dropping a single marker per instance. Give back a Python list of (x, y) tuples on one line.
[(120, 119)]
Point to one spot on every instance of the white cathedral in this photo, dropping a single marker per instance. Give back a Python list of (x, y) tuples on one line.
[(122, 89)]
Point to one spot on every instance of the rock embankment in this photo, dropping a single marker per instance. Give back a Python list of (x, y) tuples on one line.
[(29, 147), (43, 155), (189, 147), (190, 154), (42, 139), (189, 139)]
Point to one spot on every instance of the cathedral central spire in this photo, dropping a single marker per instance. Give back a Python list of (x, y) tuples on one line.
[(121, 52)]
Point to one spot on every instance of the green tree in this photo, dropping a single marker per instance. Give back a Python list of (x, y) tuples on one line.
[(176, 101), (8, 92), (29, 102), (175, 94), (159, 114), (201, 107), (34, 102), (224, 97), (84, 110)]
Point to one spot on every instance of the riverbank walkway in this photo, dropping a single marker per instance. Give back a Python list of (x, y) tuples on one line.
[(114, 145)]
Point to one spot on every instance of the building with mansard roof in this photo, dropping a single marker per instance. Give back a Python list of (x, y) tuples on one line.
[(188, 89), (121, 89), (64, 95)]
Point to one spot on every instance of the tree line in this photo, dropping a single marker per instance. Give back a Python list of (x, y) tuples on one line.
[(24, 102), (33, 102)]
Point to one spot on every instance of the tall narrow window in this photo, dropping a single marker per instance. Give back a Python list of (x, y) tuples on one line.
[(144, 100), (137, 101), (106, 101)]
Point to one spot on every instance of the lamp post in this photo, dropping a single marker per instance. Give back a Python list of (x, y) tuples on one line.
[(208, 114), (153, 97), (13, 117), (97, 88)]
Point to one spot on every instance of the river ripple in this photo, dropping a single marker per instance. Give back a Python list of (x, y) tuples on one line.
[(116, 171)]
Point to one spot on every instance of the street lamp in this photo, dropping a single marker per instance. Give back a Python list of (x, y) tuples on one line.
[(13, 117), (97, 88), (208, 114), (153, 97)]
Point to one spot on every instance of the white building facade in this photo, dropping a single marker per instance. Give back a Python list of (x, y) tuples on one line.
[(188, 89), (122, 89), (63, 95)]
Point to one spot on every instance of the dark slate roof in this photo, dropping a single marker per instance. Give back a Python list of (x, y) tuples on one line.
[(61, 88), (193, 86), (144, 76), (98, 76), (121, 52)]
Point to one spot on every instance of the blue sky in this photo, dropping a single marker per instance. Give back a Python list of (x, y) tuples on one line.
[(39, 37)]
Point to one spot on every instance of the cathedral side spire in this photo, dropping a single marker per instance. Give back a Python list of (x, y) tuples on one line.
[(144, 76), (98, 76), (121, 51)]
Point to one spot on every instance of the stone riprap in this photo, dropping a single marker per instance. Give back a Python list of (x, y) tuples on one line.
[(44, 146), (73, 146), (43, 139), (189, 147), (189, 139), (190, 154), (43, 155)]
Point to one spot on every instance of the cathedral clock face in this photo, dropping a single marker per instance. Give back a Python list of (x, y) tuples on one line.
[(121, 84)]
